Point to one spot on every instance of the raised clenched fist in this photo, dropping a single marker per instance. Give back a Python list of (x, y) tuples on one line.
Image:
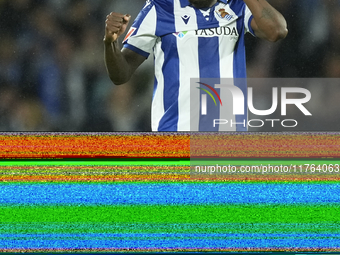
[(116, 25)]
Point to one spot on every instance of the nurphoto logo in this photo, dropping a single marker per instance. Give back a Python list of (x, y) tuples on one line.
[(229, 105)]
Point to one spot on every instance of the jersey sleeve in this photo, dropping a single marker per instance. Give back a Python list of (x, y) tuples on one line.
[(141, 37), (248, 17)]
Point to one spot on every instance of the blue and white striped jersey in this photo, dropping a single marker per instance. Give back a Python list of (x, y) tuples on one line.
[(189, 43)]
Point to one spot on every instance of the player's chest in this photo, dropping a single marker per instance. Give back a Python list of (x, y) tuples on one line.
[(219, 21)]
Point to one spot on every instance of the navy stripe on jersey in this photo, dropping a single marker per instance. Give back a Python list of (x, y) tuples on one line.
[(169, 121), (209, 63)]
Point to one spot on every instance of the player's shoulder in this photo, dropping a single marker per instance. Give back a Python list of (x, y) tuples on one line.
[(161, 7), (165, 4), (161, 1)]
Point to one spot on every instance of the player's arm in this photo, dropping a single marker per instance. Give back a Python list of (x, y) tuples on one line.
[(120, 64), (268, 23)]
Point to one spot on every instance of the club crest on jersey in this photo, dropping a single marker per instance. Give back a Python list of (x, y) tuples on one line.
[(223, 14), (180, 35)]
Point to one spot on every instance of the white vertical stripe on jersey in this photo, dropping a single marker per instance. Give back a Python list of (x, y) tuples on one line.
[(188, 66), (227, 75), (157, 111)]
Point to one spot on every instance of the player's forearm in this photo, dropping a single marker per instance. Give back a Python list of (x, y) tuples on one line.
[(116, 64), (271, 25)]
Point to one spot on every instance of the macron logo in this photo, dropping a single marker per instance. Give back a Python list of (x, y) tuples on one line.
[(186, 19)]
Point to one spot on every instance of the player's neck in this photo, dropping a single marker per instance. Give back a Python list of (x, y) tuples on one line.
[(200, 4)]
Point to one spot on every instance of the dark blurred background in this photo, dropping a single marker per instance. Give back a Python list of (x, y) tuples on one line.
[(53, 77)]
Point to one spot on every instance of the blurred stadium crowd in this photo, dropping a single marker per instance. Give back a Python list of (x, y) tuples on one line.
[(53, 77)]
